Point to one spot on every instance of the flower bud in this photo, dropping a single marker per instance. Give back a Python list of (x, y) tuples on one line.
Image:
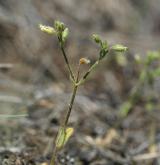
[(84, 61), (59, 26), (96, 38), (119, 48), (137, 58), (47, 29), (65, 34)]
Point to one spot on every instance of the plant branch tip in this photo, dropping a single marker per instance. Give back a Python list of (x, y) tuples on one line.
[(47, 29), (119, 48)]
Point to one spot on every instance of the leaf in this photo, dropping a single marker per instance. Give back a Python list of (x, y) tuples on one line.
[(13, 116), (125, 108), (104, 45), (69, 133), (60, 138), (63, 136), (103, 51)]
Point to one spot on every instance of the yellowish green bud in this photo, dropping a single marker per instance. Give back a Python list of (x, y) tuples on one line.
[(96, 38), (47, 29), (137, 58), (65, 34), (119, 48), (121, 60), (59, 26)]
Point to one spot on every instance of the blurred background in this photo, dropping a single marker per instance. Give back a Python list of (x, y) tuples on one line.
[(36, 56), (36, 78)]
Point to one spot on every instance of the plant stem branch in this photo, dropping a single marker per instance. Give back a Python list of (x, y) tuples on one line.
[(65, 122), (72, 98), (70, 105), (88, 72), (66, 61), (53, 158)]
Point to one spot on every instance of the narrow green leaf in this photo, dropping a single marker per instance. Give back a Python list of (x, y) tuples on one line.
[(125, 108), (13, 116), (63, 136), (69, 133), (60, 138)]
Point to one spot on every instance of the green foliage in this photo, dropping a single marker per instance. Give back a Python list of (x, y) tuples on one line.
[(13, 116), (149, 71), (59, 26), (63, 136), (96, 38), (125, 108), (104, 48), (151, 57)]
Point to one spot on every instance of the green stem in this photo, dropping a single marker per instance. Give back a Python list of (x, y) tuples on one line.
[(53, 158), (65, 122), (70, 105), (66, 60), (72, 98), (88, 72)]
